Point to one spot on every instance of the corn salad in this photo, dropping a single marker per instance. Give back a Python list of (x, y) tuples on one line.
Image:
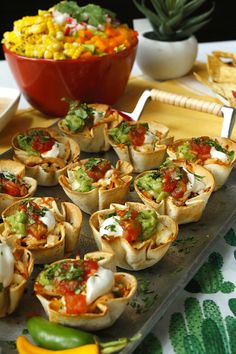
[(57, 35)]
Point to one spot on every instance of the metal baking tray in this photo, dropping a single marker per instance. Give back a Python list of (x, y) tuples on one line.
[(158, 286)]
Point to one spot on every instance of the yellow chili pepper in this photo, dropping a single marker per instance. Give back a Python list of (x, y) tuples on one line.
[(24, 346)]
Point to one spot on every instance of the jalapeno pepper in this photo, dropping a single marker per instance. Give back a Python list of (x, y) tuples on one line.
[(65, 340), (56, 337)]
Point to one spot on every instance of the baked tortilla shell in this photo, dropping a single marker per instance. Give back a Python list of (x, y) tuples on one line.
[(67, 240), (139, 255), (219, 169), (93, 139), (147, 160), (193, 208), (99, 197), (47, 176), (110, 309), (11, 296)]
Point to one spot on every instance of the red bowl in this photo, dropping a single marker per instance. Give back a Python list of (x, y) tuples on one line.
[(44, 82)]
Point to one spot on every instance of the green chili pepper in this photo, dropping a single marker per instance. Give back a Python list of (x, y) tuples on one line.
[(56, 337)]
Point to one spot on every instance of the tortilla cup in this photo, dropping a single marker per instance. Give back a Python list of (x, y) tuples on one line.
[(94, 139), (219, 169), (140, 254), (46, 170), (192, 209), (11, 295), (100, 197), (144, 160), (103, 312), (17, 169), (60, 242)]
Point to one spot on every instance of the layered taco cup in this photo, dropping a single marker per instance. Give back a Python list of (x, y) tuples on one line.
[(135, 233), (87, 123), (142, 144), (45, 154), (16, 267), (14, 185), (180, 190), (94, 183), (216, 154), (47, 228), (82, 293)]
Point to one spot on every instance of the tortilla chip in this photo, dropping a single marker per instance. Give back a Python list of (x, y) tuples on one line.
[(226, 90), (220, 71)]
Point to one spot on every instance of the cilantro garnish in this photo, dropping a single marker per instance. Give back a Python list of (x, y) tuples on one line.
[(92, 14), (8, 176), (111, 227), (92, 162)]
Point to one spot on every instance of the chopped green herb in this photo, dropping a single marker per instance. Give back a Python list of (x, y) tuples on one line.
[(92, 162), (112, 228)]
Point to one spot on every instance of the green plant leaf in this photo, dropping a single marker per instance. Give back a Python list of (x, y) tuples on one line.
[(192, 6), (171, 19)]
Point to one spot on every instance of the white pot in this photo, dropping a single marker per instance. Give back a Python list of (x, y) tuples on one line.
[(166, 60)]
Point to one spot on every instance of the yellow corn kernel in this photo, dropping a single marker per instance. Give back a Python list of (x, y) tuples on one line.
[(48, 54), (59, 36), (59, 56)]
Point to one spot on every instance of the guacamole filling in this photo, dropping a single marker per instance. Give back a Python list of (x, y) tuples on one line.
[(82, 178), (129, 134), (27, 220), (168, 180), (35, 142), (79, 115)]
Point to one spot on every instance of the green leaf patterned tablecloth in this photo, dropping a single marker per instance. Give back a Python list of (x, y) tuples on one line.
[(203, 318)]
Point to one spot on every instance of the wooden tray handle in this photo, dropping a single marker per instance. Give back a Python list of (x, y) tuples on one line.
[(186, 102)]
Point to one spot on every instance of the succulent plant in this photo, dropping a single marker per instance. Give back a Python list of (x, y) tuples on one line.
[(173, 20)]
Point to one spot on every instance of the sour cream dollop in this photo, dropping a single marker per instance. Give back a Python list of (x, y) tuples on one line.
[(195, 184), (149, 137), (7, 262), (48, 219), (219, 155), (99, 284), (57, 149), (111, 227)]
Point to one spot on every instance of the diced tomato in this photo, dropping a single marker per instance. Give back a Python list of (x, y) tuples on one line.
[(99, 171), (179, 191), (67, 286), (75, 304), (202, 150), (137, 135), (90, 267), (122, 213), (10, 188), (132, 229), (42, 143), (169, 184)]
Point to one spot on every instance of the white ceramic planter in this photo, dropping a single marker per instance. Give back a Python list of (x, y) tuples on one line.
[(166, 60)]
